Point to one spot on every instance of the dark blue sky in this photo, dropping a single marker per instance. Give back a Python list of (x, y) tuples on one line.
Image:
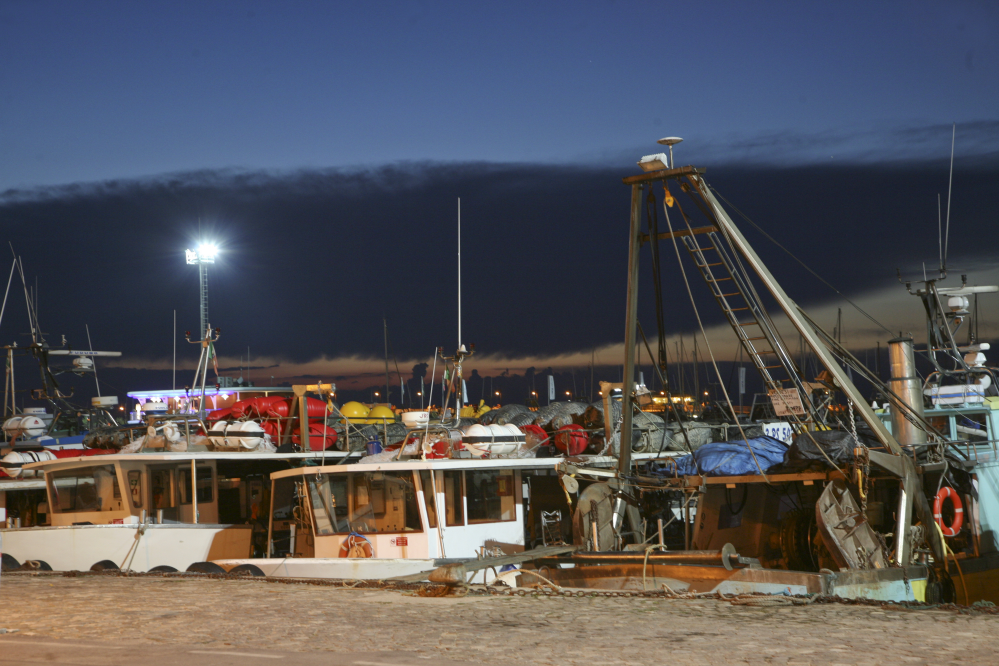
[(97, 90), (324, 146)]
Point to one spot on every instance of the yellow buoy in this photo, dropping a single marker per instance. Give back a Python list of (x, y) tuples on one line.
[(381, 413), (354, 410)]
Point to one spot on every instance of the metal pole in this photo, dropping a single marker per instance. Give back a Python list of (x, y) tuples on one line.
[(906, 385), (270, 524), (791, 309), (686, 523), (194, 491), (203, 275), (630, 324), (385, 331)]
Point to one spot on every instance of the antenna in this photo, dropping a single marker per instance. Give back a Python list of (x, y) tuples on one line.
[(91, 344), (459, 272), (949, 182), (940, 232), (6, 293)]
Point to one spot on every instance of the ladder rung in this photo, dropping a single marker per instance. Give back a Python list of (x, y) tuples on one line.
[(714, 279), (715, 264), (735, 293), (738, 310), (749, 323), (771, 367)]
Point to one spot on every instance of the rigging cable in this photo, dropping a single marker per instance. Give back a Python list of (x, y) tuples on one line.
[(697, 315)]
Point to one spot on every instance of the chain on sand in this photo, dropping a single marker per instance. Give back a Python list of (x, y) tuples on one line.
[(546, 589)]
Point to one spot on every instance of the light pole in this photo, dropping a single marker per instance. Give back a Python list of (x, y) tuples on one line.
[(202, 257)]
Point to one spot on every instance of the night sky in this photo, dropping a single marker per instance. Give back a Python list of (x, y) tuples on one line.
[(323, 146)]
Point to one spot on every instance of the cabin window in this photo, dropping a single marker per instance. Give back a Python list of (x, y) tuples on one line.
[(87, 489), (135, 487), (428, 497), (325, 504), (368, 502), (383, 502), (454, 506), (490, 496), (204, 479), (162, 483)]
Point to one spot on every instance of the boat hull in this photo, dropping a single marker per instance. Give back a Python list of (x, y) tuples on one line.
[(79, 547), (880, 584)]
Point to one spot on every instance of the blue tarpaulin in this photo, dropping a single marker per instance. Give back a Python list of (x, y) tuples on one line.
[(729, 458)]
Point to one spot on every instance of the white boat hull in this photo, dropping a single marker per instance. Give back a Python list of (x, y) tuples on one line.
[(78, 547)]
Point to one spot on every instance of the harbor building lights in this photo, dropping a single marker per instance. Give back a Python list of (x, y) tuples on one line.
[(203, 256)]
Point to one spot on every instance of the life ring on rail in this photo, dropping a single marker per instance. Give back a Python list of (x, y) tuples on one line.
[(355, 545), (948, 493)]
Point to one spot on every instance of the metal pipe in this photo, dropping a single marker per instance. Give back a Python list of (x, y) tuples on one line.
[(906, 385), (630, 326), (715, 557), (270, 523), (194, 492), (661, 541), (790, 308)]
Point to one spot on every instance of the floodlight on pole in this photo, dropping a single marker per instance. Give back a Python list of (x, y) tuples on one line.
[(203, 256)]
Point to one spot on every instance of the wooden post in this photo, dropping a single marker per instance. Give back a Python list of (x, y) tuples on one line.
[(303, 417)]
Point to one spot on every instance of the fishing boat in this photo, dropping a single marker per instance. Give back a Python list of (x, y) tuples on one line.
[(863, 503)]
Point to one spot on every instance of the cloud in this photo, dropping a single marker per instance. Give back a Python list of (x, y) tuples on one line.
[(975, 142), (313, 259)]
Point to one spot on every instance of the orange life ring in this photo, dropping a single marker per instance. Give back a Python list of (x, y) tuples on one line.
[(947, 492), (357, 544)]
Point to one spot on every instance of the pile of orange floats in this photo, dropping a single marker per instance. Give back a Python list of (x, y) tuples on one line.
[(269, 411)]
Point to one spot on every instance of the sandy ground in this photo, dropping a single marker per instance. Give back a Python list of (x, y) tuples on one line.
[(238, 615)]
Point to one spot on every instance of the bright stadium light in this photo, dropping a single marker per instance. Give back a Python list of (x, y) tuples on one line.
[(202, 257)]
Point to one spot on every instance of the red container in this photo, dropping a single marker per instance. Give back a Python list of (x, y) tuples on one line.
[(320, 437), (571, 439), (240, 407), (258, 406), (316, 408), (218, 415)]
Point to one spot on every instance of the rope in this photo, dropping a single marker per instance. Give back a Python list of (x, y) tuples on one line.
[(554, 585), (947, 549), (704, 336), (645, 564), (803, 264), (770, 600)]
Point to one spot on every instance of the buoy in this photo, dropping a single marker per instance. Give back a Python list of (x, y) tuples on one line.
[(321, 437), (571, 439), (355, 545), (948, 493), (218, 414), (381, 414), (240, 407), (279, 408), (535, 435), (354, 410)]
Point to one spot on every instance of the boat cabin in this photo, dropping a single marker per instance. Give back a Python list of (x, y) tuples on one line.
[(404, 510), (101, 490)]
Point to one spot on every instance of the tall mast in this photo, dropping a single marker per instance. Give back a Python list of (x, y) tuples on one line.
[(459, 272), (385, 330)]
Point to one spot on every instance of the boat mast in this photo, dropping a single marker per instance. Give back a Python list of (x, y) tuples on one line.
[(385, 331)]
